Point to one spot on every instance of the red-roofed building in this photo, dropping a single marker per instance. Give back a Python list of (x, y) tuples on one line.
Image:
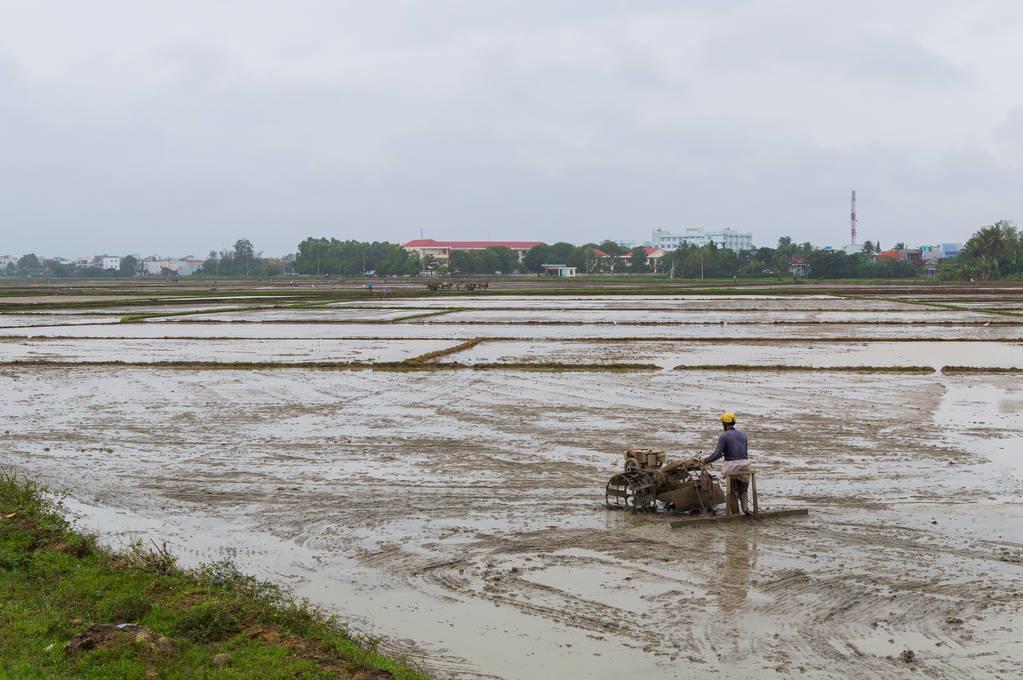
[(912, 255), (441, 250), (653, 256)]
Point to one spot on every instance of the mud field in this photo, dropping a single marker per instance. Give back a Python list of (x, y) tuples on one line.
[(438, 480)]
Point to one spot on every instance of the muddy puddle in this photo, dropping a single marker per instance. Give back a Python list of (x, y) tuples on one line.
[(458, 514)]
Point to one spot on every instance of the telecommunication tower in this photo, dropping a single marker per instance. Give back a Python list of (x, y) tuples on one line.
[(852, 217)]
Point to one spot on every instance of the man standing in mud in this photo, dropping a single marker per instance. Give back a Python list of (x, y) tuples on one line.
[(732, 445)]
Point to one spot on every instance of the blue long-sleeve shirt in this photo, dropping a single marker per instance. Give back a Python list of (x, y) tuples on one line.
[(732, 444)]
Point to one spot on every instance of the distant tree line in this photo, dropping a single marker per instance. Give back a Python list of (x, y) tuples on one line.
[(498, 259), (320, 256), (993, 252), (713, 261), (33, 265), (242, 261), (606, 257)]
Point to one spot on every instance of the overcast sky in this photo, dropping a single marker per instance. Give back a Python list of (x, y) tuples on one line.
[(178, 127)]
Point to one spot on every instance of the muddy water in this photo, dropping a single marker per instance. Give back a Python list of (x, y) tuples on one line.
[(923, 315), (198, 330), (462, 510), (669, 355), (8, 321), (732, 303), (218, 351), (311, 314)]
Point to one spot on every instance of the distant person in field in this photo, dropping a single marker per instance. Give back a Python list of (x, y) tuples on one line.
[(732, 446)]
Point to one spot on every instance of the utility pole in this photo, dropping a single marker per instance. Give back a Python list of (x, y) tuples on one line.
[(852, 217), (701, 267)]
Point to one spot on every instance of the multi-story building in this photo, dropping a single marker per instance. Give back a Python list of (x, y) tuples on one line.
[(441, 250), (941, 251), (724, 238)]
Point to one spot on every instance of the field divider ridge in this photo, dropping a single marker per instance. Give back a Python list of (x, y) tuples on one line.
[(596, 340), (447, 351), (803, 367), (420, 315), (425, 363)]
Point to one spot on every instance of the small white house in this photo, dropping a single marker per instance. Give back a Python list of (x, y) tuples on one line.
[(108, 262), (558, 270)]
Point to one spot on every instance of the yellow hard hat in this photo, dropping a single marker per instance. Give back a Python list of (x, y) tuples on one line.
[(728, 417)]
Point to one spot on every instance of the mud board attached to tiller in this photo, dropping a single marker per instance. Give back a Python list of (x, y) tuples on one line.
[(749, 475), (762, 514)]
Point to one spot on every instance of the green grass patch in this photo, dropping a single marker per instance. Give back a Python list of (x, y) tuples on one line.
[(72, 609)]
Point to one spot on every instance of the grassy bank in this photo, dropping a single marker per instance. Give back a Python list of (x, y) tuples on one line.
[(64, 598)]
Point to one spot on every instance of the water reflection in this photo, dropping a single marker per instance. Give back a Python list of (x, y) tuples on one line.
[(737, 563)]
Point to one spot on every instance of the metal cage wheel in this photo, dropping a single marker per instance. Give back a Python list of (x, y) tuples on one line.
[(633, 490)]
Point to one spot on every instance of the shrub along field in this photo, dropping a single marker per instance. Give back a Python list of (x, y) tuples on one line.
[(73, 609)]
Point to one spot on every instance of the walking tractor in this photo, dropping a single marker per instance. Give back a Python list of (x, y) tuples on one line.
[(652, 483)]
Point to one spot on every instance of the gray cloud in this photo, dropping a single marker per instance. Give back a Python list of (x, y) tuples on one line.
[(178, 127)]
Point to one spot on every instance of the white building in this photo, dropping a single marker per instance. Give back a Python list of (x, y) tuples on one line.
[(558, 270), (108, 262), (155, 267), (941, 251), (724, 238), (185, 266), (6, 260)]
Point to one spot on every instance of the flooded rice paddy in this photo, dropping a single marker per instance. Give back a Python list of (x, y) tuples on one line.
[(453, 506)]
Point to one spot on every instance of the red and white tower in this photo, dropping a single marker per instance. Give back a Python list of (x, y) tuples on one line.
[(852, 217)]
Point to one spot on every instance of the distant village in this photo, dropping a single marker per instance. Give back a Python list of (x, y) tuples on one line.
[(440, 256)]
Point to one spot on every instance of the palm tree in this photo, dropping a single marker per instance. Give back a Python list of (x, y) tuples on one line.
[(996, 248)]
